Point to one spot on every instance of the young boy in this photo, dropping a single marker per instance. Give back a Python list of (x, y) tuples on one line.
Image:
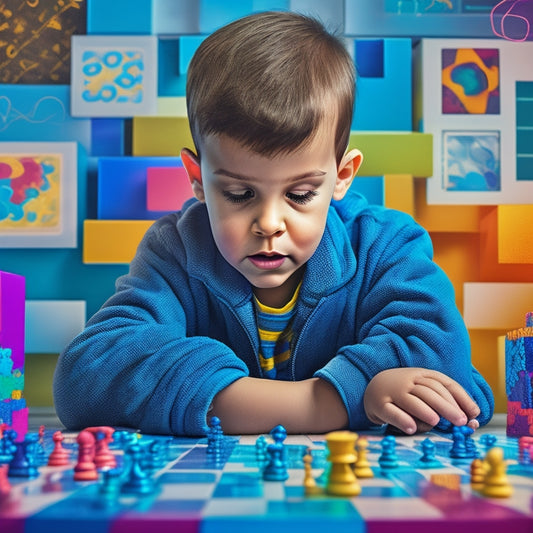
[(270, 299)]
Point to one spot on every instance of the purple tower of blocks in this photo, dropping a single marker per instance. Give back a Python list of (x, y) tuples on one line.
[(518, 379), (13, 410)]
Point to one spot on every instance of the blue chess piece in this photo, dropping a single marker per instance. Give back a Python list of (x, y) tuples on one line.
[(470, 445), (279, 434), (488, 440), (110, 487), (22, 464), (428, 459), (388, 458), (458, 450), (7, 446), (276, 469), (214, 438), (138, 481), (261, 446)]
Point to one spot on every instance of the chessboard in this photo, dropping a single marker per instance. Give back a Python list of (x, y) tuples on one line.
[(186, 487)]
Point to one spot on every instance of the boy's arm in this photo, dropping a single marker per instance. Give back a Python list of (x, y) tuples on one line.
[(254, 405), (406, 317), (134, 364)]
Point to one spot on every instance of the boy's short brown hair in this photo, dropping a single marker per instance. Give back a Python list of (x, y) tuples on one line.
[(268, 81)]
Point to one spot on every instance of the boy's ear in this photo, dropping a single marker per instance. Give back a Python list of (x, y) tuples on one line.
[(192, 166), (346, 172)]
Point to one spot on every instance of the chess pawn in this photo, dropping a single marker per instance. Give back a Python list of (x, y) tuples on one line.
[(138, 480), (388, 459), (276, 469), (310, 486), (458, 450), (22, 463), (341, 479), (362, 465), (261, 445), (214, 439), (5, 486), (428, 459), (103, 437), (7, 445), (477, 474), (496, 483), (85, 469), (59, 455), (109, 489)]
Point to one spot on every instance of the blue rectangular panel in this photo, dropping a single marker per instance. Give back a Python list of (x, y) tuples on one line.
[(119, 17), (384, 85), (122, 186)]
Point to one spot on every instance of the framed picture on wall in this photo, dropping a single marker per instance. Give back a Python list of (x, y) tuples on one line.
[(38, 194), (476, 98), (113, 76)]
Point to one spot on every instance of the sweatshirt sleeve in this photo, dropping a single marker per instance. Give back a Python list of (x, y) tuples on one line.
[(406, 317), (134, 364)]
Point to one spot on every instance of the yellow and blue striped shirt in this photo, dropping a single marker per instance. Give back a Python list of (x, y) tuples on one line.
[(275, 333)]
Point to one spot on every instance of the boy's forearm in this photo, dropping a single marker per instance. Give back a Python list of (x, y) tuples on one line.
[(253, 406)]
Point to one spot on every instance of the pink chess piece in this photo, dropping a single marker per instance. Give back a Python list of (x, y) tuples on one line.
[(5, 486), (59, 456), (103, 458), (85, 469)]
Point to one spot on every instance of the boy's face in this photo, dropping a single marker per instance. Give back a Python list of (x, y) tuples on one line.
[(267, 214)]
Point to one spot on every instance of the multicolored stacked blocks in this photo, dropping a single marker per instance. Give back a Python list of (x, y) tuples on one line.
[(519, 373), (13, 410)]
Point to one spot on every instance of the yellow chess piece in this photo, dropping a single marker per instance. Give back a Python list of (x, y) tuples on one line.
[(477, 474), (310, 486), (362, 465), (496, 483), (342, 480)]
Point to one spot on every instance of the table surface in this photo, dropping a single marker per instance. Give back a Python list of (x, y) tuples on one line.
[(191, 490)]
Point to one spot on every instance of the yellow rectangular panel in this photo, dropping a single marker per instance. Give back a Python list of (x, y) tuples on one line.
[(400, 193), (112, 241), (514, 234), (161, 136)]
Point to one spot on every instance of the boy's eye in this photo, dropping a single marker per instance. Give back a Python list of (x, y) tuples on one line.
[(301, 198), (237, 197)]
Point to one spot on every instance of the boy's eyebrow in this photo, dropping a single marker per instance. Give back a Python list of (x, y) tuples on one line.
[(229, 174)]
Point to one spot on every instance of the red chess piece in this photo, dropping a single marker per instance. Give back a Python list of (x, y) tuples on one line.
[(85, 469), (103, 458), (59, 456), (5, 486)]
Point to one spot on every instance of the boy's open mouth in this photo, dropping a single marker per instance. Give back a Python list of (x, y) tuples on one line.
[(267, 261)]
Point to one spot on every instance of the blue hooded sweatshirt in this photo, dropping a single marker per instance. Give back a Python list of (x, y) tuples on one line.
[(181, 325)]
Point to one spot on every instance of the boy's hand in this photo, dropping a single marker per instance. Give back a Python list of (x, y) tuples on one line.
[(414, 399)]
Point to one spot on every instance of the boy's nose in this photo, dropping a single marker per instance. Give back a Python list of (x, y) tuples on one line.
[(269, 223)]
